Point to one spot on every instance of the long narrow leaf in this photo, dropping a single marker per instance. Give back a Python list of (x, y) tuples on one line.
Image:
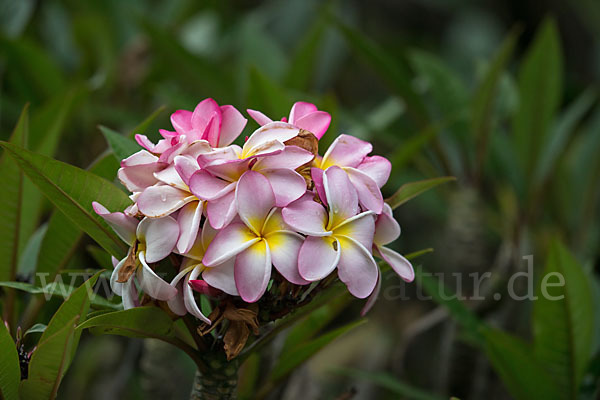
[(411, 190), (540, 86), (73, 190), (524, 377), (49, 363), (563, 320), (62, 235), (10, 371), (148, 322), (485, 96), (11, 180), (121, 146)]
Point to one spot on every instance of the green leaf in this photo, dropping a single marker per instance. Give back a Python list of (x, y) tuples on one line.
[(37, 328), (313, 323), (139, 322), (485, 95), (11, 180), (563, 129), (293, 358), (46, 128), (514, 361), (540, 86), (74, 308), (10, 370), (563, 320), (72, 190), (121, 146), (60, 290), (62, 236), (49, 362), (435, 288), (394, 71), (389, 382), (29, 255), (411, 190)]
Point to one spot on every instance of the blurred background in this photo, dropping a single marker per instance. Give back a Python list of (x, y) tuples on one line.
[(500, 94)]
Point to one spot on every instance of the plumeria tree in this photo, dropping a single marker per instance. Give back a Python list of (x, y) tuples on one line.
[(216, 247)]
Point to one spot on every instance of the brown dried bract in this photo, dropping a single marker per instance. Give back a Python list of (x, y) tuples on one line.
[(305, 140), (129, 266), (241, 322)]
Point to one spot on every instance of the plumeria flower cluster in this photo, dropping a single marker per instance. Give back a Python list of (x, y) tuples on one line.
[(232, 217)]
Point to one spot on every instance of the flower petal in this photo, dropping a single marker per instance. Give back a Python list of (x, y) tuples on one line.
[(285, 247), (317, 176), (182, 121), (346, 151), (185, 167), (205, 186), (299, 110), (229, 242), (222, 277), (399, 264), (130, 295), (207, 118), (373, 297), (159, 201), (219, 155), (188, 296), (357, 268), (318, 257), (252, 271), (369, 194), (232, 125), (160, 236), (306, 216), (287, 185), (176, 304), (189, 224), (341, 196), (378, 168), (117, 287), (170, 176), (316, 122), (259, 117), (254, 198), (387, 228), (360, 228), (221, 211), (291, 157), (123, 225), (228, 170), (152, 284), (265, 138), (275, 223)]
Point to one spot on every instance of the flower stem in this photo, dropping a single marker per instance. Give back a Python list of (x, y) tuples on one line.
[(219, 382)]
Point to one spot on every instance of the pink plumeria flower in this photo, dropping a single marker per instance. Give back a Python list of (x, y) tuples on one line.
[(302, 115), (220, 276), (387, 230), (262, 239), (367, 174), (263, 152), (218, 125), (173, 194), (153, 240), (340, 238)]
